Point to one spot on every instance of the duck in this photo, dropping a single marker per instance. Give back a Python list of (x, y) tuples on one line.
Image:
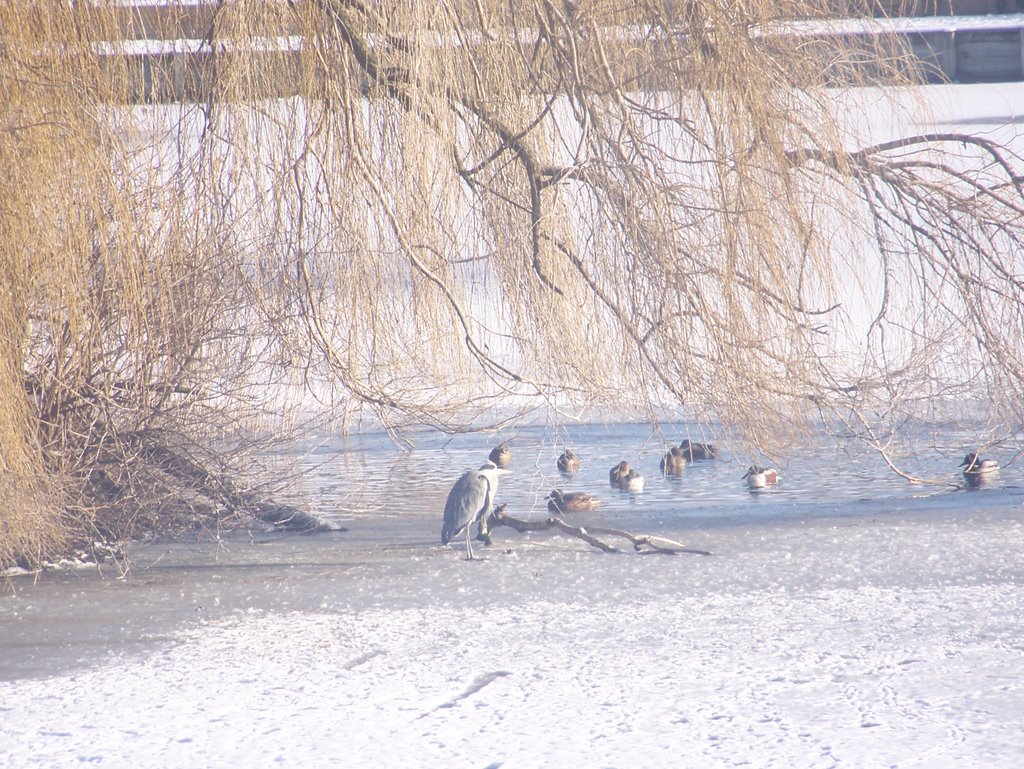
[(617, 475), (634, 481), (674, 461), (977, 470), (573, 502), (697, 451), (500, 455), (568, 462), (758, 477)]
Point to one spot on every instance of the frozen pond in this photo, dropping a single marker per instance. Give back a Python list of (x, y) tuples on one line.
[(845, 619)]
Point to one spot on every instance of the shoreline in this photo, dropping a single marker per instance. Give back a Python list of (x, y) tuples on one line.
[(175, 587)]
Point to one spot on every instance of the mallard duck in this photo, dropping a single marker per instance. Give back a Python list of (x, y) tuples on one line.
[(697, 451), (759, 477), (617, 475), (568, 462), (500, 455), (977, 470), (573, 502), (634, 481), (674, 461)]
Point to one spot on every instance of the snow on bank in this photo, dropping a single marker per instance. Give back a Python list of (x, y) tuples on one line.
[(846, 677), (870, 644)]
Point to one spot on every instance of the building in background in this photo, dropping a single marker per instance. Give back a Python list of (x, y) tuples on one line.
[(927, 7)]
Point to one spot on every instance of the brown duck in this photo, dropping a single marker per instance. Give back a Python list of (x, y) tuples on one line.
[(573, 502)]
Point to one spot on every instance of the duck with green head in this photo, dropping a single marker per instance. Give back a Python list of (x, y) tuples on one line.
[(697, 451), (977, 470), (758, 477)]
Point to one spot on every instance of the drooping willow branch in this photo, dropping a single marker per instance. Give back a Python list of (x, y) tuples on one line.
[(644, 544), (468, 211)]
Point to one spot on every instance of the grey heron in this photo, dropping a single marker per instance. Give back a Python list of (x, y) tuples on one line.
[(469, 501)]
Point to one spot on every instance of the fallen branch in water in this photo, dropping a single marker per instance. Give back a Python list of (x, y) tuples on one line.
[(642, 543)]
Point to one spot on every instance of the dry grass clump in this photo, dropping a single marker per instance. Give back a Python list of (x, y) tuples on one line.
[(451, 213)]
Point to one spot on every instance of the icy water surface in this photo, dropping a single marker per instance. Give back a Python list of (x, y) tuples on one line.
[(365, 480)]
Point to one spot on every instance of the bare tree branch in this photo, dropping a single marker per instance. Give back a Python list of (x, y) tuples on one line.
[(643, 544)]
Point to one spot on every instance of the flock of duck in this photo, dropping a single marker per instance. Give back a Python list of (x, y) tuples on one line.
[(472, 496), (622, 476)]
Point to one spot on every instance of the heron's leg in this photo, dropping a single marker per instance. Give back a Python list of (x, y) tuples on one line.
[(469, 545), (483, 533)]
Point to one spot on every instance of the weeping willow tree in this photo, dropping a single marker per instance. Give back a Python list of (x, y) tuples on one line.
[(451, 213)]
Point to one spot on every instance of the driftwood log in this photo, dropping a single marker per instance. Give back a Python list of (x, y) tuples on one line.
[(642, 543)]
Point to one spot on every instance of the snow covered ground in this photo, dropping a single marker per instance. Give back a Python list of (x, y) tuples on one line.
[(860, 642)]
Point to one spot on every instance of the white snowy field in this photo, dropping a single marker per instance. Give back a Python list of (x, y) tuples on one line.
[(857, 642)]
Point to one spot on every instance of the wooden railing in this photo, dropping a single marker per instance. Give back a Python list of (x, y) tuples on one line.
[(171, 51)]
